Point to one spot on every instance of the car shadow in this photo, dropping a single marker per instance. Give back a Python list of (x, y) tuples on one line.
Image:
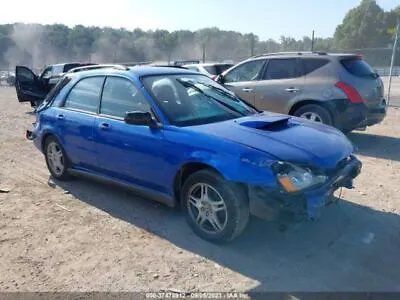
[(378, 146), (351, 248)]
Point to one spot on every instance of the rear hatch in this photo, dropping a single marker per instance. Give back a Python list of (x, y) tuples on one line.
[(359, 74)]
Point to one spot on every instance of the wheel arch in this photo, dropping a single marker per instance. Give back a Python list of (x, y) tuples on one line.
[(45, 136), (185, 171), (325, 104)]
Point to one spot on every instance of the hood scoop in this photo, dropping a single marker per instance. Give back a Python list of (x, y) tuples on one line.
[(268, 123)]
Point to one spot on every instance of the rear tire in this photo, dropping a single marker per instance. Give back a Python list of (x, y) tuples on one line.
[(316, 113), (56, 159), (217, 211)]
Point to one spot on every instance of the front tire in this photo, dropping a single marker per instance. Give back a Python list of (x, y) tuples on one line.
[(56, 159), (315, 113), (216, 210)]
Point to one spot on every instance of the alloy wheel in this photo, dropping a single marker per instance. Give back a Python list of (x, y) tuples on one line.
[(207, 208), (55, 158), (312, 116)]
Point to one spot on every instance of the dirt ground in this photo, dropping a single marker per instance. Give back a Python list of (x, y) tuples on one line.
[(86, 236)]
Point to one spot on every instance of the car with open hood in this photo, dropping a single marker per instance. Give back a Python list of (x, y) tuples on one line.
[(180, 138)]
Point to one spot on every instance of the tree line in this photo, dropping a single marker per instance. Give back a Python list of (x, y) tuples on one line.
[(366, 27)]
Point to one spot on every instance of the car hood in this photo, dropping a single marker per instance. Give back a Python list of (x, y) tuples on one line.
[(285, 138)]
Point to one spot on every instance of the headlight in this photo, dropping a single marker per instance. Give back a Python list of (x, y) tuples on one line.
[(295, 178)]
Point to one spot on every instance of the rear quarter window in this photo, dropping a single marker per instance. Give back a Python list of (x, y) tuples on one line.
[(357, 67)]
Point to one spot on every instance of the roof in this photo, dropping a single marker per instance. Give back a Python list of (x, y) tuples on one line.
[(302, 53), (148, 70), (209, 64), (137, 71)]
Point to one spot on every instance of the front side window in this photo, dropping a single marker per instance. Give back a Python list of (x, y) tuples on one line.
[(85, 95), (195, 99), (245, 72), (121, 96), (25, 75), (281, 69)]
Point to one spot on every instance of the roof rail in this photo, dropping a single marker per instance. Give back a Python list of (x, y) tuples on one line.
[(170, 66), (291, 53), (120, 67), (99, 66)]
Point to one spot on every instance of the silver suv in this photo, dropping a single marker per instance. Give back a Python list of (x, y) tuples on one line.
[(340, 90)]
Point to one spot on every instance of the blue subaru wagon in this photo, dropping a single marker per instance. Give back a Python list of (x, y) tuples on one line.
[(183, 139)]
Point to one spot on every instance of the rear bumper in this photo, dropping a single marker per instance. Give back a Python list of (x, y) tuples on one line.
[(348, 116), (270, 204), (34, 136), (375, 115)]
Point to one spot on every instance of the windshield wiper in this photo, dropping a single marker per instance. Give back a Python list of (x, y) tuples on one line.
[(191, 85)]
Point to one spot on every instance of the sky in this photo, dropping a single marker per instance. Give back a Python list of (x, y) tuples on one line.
[(265, 18)]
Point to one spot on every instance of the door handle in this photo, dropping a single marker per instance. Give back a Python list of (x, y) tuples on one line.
[(104, 126), (60, 117), (292, 90), (247, 90)]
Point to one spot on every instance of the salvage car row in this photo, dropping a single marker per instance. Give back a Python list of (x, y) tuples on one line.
[(186, 140), (340, 90)]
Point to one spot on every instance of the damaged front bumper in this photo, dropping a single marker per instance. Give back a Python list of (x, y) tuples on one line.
[(270, 204)]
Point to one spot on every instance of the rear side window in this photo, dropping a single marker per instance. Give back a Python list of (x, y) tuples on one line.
[(357, 67), (85, 95), (313, 64), (281, 69)]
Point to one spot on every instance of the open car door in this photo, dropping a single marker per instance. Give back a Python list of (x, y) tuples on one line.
[(29, 87)]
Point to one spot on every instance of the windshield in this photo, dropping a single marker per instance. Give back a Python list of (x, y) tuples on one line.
[(195, 99)]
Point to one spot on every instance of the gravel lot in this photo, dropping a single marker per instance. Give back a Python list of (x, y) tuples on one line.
[(85, 236)]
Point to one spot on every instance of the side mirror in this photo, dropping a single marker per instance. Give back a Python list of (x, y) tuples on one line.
[(140, 118)]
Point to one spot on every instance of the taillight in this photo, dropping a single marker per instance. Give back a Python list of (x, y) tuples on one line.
[(213, 77), (351, 93)]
